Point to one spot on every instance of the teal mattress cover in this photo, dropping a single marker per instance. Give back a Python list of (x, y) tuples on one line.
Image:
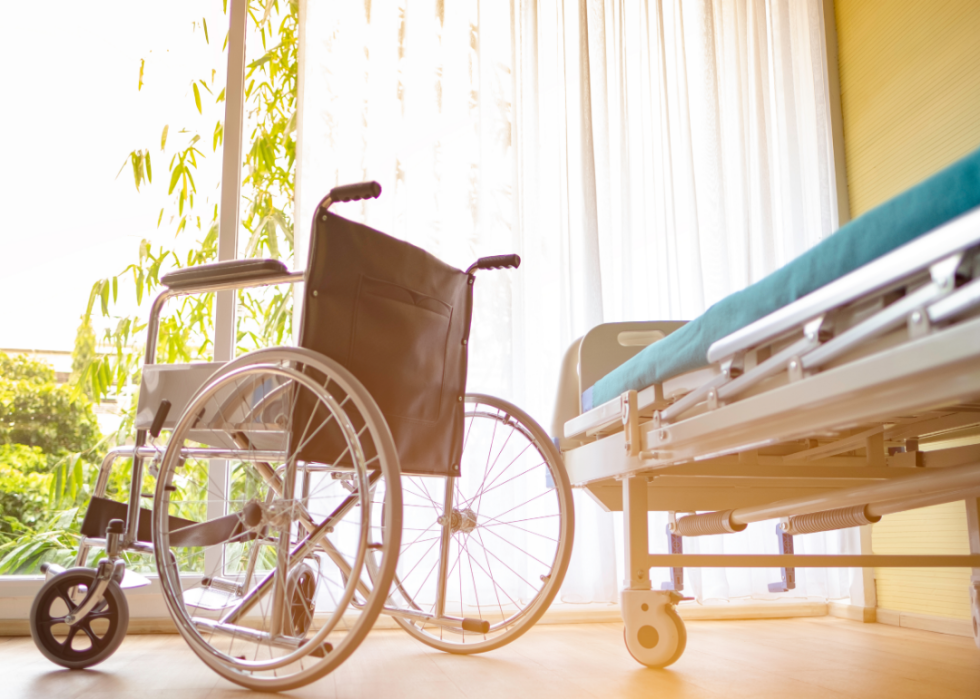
[(943, 196)]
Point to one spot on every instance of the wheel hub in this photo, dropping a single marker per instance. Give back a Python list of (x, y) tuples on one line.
[(460, 521)]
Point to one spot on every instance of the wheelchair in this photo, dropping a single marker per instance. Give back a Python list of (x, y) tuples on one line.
[(303, 491)]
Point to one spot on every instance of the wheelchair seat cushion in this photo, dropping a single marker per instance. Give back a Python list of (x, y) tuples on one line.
[(944, 196)]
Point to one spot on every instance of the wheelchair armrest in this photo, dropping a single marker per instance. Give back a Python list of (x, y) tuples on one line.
[(231, 272)]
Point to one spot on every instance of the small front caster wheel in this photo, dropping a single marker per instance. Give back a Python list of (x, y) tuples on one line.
[(90, 641), (654, 633)]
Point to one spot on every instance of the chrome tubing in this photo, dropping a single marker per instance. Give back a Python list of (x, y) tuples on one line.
[(449, 622), (926, 484), (846, 507)]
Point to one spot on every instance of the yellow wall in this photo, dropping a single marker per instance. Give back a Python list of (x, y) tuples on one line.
[(910, 91), (910, 104), (939, 530)]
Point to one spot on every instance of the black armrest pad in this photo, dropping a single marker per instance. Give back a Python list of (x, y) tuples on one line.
[(234, 271)]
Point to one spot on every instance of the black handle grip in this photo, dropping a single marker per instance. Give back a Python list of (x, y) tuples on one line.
[(355, 192), (496, 262), (159, 418)]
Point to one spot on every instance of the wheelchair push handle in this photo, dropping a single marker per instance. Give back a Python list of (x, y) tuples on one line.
[(355, 192), (495, 262)]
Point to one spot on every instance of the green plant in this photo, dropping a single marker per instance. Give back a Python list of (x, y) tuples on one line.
[(36, 412), (24, 486), (48, 437), (52, 539), (264, 316), (267, 193), (48, 501)]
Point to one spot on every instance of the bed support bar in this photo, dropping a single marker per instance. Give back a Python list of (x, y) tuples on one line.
[(837, 509)]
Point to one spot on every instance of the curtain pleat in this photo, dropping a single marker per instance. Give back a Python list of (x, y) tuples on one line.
[(645, 158)]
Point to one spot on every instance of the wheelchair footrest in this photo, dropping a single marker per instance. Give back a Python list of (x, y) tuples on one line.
[(102, 510), (210, 599), (476, 625), (221, 530)]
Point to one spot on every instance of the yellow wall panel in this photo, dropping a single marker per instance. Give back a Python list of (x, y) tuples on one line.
[(910, 105), (939, 530), (910, 91)]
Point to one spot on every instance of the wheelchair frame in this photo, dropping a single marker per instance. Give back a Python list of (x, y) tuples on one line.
[(382, 591)]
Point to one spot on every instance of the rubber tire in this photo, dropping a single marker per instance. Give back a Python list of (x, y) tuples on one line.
[(117, 605)]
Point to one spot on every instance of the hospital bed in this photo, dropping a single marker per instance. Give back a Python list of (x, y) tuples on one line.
[(843, 387)]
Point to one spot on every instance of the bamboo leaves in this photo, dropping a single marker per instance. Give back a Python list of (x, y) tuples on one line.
[(52, 540), (266, 219), (68, 480), (182, 165), (139, 160), (219, 133)]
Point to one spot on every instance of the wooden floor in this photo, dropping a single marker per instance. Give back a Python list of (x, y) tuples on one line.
[(799, 658)]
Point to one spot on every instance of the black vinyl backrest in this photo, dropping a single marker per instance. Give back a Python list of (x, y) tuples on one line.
[(398, 319)]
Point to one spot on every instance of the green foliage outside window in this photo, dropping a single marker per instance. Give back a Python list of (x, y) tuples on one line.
[(48, 442), (36, 412), (267, 196), (46, 496)]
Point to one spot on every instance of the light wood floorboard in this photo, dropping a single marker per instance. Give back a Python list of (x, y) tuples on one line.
[(801, 658)]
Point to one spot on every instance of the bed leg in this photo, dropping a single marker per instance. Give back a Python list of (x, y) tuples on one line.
[(973, 527), (675, 543), (636, 535), (863, 593), (655, 635), (787, 581)]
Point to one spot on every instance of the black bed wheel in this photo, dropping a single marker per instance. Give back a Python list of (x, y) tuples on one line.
[(91, 641)]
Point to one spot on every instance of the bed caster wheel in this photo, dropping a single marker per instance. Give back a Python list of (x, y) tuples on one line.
[(654, 633), (976, 613), (94, 638)]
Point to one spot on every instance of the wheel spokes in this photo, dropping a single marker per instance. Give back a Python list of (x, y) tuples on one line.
[(273, 601), (506, 488)]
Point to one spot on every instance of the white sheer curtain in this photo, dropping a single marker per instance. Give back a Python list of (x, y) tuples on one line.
[(644, 158)]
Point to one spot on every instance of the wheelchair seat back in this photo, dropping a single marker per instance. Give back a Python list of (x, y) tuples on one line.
[(399, 319)]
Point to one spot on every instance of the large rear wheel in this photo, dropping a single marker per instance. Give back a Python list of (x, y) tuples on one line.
[(491, 545), (263, 518)]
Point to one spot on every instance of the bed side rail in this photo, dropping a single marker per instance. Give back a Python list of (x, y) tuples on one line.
[(902, 307), (913, 258)]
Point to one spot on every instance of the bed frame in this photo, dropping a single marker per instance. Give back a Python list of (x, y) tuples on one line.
[(858, 400)]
